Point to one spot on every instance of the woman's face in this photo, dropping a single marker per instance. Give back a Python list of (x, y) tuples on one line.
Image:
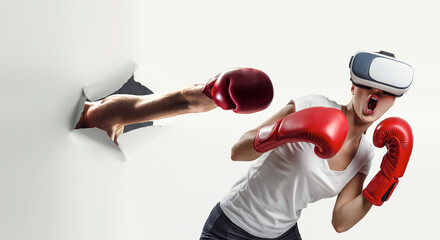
[(370, 104)]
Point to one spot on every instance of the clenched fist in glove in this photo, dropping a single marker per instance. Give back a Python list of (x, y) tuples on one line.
[(396, 134), (243, 90), (327, 128)]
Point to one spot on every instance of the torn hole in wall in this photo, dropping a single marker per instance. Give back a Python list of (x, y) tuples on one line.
[(107, 113)]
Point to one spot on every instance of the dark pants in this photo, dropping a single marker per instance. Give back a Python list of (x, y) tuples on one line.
[(218, 226)]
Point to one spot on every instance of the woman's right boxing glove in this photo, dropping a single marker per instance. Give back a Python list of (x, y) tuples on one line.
[(327, 128)]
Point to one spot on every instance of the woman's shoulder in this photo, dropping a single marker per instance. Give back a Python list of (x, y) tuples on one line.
[(366, 148), (365, 155), (315, 100)]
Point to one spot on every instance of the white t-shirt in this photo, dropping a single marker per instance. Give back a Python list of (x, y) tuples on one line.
[(268, 200)]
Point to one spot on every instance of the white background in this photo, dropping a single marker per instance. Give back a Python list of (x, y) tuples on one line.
[(75, 185)]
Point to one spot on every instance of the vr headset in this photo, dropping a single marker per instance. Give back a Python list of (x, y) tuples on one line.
[(381, 71)]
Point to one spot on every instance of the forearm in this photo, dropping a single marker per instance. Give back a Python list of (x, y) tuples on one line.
[(116, 111), (129, 109), (350, 213), (126, 109), (244, 150)]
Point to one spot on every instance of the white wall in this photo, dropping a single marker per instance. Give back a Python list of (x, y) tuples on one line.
[(59, 184)]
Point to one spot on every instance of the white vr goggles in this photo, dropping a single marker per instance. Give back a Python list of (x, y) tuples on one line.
[(381, 71)]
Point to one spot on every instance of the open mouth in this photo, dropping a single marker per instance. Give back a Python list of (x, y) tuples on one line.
[(373, 100)]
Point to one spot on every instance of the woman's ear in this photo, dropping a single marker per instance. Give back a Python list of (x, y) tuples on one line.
[(352, 89)]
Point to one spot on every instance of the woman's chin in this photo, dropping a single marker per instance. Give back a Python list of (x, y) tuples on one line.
[(367, 117)]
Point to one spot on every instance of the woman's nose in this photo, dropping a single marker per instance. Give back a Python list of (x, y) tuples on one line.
[(376, 90)]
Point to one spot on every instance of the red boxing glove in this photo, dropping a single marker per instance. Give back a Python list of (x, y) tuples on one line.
[(327, 128), (244, 90), (396, 134)]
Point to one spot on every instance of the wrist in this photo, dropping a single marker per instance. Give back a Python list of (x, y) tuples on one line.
[(266, 137), (380, 188)]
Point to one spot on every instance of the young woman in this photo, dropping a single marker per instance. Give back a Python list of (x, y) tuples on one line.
[(289, 171)]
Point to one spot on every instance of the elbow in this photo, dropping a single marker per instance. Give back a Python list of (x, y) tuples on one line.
[(240, 154), (339, 228), (235, 154), (244, 150), (234, 158)]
